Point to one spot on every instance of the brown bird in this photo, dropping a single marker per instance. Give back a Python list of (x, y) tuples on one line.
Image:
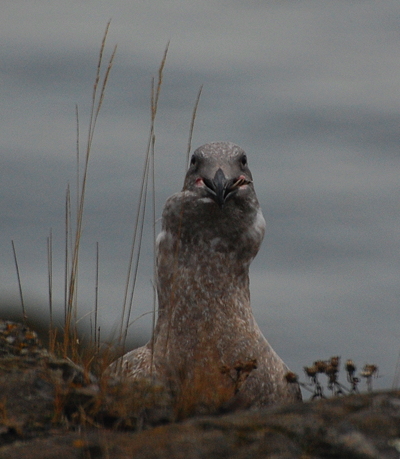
[(207, 348)]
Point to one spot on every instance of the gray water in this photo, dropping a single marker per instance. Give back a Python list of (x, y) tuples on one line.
[(311, 91)]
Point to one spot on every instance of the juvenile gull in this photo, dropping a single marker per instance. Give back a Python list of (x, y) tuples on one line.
[(207, 348)]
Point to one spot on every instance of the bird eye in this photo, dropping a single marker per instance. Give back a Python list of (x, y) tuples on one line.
[(193, 160), (243, 160)]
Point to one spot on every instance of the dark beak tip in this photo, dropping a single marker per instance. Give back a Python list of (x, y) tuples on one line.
[(220, 188)]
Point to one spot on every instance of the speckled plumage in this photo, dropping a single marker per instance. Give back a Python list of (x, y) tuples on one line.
[(207, 344)]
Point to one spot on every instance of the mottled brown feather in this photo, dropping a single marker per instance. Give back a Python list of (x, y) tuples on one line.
[(207, 347)]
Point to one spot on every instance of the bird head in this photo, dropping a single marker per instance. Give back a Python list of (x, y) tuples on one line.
[(219, 171)]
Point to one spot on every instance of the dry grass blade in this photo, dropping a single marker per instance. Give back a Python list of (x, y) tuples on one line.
[(24, 316), (95, 112), (140, 316), (78, 142), (96, 301), (140, 214), (155, 95), (70, 327), (192, 126), (141, 205), (52, 331), (139, 227), (154, 246), (67, 235)]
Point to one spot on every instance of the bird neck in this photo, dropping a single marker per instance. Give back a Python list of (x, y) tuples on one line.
[(204, 254), (202, 280)]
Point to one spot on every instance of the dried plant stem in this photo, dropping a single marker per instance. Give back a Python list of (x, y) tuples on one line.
[(70, 332), (78, 141), (66, 248), (140, 214), (154, 249), (192, 126), (52, 331), (139, 226), (156, 94), (96, 300), (24, 316), (124, 316)]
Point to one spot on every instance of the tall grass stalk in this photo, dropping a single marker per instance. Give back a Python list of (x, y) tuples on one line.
[(154, 250), (24, 316), (52, 330), (70, 330), (96, 301), (66, 247), (189, 148), (133, 263)]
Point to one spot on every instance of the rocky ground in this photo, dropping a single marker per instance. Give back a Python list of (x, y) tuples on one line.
[(50, 408)]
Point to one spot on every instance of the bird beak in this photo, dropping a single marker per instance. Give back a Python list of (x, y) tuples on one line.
[(220, 188)]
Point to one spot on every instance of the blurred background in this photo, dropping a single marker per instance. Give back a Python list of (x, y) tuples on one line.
[(310, 90)]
